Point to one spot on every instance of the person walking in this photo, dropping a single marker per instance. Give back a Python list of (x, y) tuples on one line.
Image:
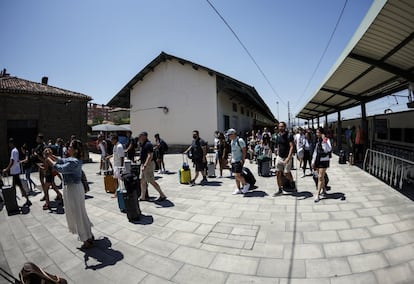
[(238, 157), (73, 192), (198, 150), (118, 154), (308, 147), (222, 153), (27, 167), (285, 147), (359, 145), (216, 148), (14, 168), (299, 139), (102, 148), (49, 182), (38, 155), (130, 146), (147, 167), (320, 160), (160, 148)]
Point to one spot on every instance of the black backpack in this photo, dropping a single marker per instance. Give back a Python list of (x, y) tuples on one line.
[(164, 146)]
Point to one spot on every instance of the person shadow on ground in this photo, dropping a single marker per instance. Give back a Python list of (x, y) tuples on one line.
[(101, 254), (255, 193), (335, 195)]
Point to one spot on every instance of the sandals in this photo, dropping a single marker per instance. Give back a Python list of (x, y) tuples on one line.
[(88, 243), (46, 206), (161, 198)]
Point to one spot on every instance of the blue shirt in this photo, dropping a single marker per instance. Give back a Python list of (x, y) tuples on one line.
[(146, 149), (70, 168), (237, 146)]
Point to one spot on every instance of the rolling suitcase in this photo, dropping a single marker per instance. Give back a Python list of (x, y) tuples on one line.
[(265, 168), (9, 198), (110, 183), (315, 179), (132, 186), (23, 180), (211, 167), (120, 192), (248, 176), (287, 184), (184, 173), (342, 157)]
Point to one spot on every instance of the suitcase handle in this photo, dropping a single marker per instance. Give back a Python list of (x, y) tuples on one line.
[(7, 178), (185, 158)]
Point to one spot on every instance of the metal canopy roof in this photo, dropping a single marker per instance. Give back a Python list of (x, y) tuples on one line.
[(378, 61)]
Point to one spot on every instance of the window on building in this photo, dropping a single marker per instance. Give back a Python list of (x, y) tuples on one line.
[(226, 122), (247, 112), (242, 110), (396, 134), (409, 135), (234, 107)]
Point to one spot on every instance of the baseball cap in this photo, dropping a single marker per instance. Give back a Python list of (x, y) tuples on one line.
[(143, 133), (231, 131)]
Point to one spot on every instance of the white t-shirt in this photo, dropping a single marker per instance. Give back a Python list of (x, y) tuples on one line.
[(118, 154), (102, 149), (15, 168)]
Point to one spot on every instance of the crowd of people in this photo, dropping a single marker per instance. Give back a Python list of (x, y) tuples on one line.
[(312, 149), (62, 162)]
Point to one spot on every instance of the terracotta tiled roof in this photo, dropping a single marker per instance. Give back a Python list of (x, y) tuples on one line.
[(16, 85)]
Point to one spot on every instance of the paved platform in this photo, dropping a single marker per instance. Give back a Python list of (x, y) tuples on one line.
[(362, 233)]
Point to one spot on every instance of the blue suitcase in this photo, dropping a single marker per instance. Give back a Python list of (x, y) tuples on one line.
[(120, 192)]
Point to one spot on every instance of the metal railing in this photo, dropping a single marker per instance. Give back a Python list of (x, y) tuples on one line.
[(397, 172)]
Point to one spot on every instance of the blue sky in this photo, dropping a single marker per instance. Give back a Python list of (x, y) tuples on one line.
[(96, 47)]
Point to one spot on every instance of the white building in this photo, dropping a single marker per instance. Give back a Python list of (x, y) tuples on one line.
[(173, 96)]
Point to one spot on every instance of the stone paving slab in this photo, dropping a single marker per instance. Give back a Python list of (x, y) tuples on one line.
[(362, 233)]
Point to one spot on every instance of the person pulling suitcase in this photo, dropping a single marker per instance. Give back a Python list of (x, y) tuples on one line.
[(14, 168)]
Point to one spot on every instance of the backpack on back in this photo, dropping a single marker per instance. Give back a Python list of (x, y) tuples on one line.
[(164, 146)]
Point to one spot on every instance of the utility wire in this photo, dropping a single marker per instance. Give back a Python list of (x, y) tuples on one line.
[(324, 52), (247, 51)]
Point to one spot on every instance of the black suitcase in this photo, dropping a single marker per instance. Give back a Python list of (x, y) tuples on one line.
[(248, 176), (264, 168), (9, 199), (132, 186), (287, 184), (315, 179), (342, 157)]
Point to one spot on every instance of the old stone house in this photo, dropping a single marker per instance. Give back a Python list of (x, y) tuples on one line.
[(28, 108)]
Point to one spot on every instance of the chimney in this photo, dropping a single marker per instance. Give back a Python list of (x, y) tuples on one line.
[(4, 73), (44, 80)]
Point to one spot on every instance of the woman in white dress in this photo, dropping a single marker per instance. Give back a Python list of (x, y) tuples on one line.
[(73, 192)]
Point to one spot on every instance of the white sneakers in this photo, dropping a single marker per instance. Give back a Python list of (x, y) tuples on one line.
[(243, 190), (237, 191)]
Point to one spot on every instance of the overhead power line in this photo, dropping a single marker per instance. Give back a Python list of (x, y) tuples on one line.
[(325, 50), (247, 51)]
